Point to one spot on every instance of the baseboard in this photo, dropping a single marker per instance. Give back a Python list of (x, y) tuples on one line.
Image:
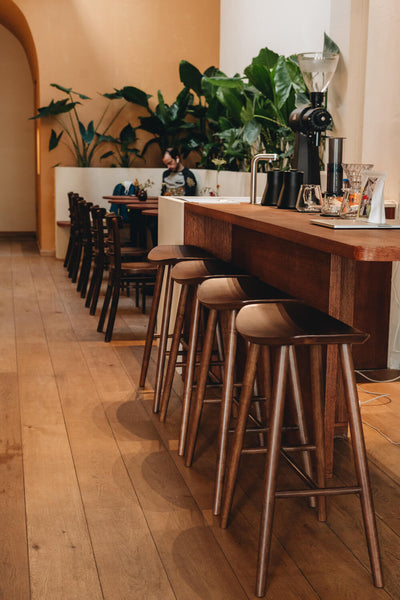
[(19, 234)]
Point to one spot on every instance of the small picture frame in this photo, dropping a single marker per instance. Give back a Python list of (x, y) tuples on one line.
[(371, 206)]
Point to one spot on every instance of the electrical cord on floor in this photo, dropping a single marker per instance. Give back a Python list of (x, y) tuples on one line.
[(376, 396), (376, 380)]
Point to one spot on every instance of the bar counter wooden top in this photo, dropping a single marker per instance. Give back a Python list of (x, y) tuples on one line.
[(382, 245), (344, 273)]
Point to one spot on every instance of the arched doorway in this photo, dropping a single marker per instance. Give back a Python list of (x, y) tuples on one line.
[(19, 178)]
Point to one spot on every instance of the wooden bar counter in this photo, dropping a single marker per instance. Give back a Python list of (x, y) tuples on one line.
[(345, 273)]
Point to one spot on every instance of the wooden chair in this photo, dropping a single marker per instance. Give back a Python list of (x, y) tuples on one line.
[(121, 276), (100, 263)]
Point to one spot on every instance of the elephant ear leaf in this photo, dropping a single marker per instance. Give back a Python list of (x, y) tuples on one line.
[(267, 58), (54, 139), (87, 134), (190, 76)]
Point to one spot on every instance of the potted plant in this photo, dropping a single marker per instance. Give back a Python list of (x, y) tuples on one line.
[(83, 140)]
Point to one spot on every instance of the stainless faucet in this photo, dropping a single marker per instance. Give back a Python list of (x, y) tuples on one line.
[(253, 173)]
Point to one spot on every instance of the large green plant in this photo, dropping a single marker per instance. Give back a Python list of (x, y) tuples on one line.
[(125, 149), (167, 123), (239, 116), (83, 140)]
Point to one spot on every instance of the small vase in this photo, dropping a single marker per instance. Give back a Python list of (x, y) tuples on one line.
[(142, 195)]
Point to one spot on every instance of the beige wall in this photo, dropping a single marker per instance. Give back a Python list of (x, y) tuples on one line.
[(98, 46), (17, 157)]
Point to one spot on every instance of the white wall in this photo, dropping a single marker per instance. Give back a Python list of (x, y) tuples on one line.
[(17, 174), (287, 27)]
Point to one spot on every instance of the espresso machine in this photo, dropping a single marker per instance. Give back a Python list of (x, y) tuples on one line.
[(310, 121)]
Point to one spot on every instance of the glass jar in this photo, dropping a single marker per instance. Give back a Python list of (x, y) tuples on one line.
[(331, 205)]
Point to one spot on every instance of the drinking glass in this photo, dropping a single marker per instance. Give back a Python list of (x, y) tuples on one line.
[(331, 205), (309, 198)]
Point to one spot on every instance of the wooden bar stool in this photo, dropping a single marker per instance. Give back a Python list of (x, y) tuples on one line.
[(283, 326), (190, 275), (228, 295), (165, 257)]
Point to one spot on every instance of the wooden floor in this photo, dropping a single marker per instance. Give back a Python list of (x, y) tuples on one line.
[(95, 503)]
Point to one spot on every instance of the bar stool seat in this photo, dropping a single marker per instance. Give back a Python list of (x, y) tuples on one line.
[(189, 275), (285, 325), (165, 257), (227, 294)]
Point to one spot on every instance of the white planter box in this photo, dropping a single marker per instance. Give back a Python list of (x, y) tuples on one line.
[(93, 183)]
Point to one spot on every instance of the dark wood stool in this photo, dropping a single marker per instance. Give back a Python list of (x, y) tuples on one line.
[(189, 274), (283, 326), (164, 257), (227, 295)]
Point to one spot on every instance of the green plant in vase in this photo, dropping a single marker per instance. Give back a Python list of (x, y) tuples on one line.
[(83, 141)]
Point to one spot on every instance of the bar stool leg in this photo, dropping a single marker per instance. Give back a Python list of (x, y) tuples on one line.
[(201, 387), (152, 325), (163, 340), (318, 420), (189, 376), (226, 408), (360, 460), (244, 406), (271, 467), (298, 405), (169, 375)]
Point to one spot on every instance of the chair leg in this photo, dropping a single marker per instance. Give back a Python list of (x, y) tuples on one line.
[(240, 429), (151, 325), (113, 312), (97, 288), (189, 373), (360, 461), (106, 303), (68, 253), (162, 347), (86, 273), (75, 265), (169, 375), (92, 284), (226, 409), (200, 392), (271, 467)]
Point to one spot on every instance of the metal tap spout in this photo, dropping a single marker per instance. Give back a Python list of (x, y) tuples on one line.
[(253, 172)]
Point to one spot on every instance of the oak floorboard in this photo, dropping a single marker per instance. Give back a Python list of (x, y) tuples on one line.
[(14, 569)]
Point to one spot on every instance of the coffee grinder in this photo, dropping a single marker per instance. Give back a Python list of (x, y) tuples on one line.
[(308, 122)]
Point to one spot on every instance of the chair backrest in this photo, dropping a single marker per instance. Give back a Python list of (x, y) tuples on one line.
[(113, 241), (98, 214), (84, 224)]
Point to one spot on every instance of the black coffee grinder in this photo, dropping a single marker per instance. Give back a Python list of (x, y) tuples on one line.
[(308, 122)]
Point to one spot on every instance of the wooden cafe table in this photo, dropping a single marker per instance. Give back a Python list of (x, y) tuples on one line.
[(134, 202), (344, 273), (137, 206)]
